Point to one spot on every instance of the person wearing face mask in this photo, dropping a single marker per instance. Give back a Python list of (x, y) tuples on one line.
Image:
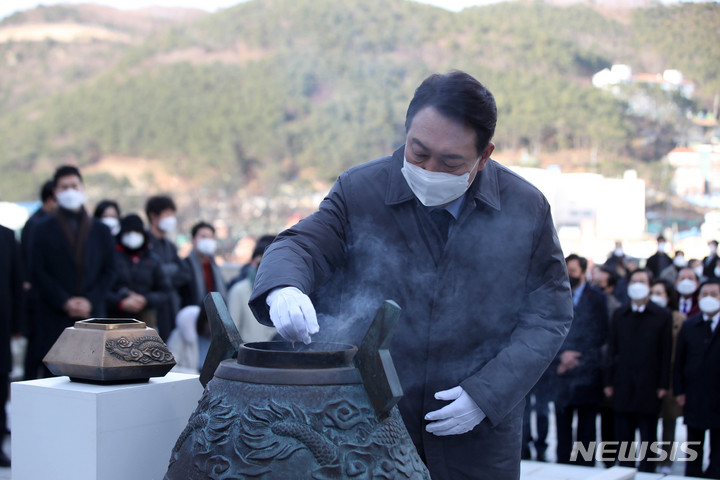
[(638, 371), (141, 286), (616, 260), (205, 278), (579, 365), (663, 294), (108, 212), (697, 379), (466, 248), (710, 261), (33, 362), (686, 286), (161, 214), (679, 262), (659, 260), (73, 262)]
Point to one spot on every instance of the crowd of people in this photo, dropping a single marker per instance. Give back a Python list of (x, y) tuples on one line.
[(70, 266), (641, 352)]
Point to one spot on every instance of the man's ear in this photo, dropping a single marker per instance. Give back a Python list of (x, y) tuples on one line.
[(485, 156)]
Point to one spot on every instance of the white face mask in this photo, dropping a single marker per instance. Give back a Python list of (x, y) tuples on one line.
[(686, 287), (661, 247), (206, 246), (435, 188), (709, 305), (680, 262), (658, 300), (638, 291), (132, 240), (713, 249), (112, 223), (618, 252), (167, 224), (698, 271), (70, 199)]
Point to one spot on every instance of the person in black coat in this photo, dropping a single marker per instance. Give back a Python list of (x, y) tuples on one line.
[(32, 361), (710, 261), (73, 262), (660, 260), (11, 319), (141, 286), (466, 247), (697, 379), (638, 374), (579, 364)]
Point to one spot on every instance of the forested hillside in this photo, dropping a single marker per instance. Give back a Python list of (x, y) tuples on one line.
[(271, 91)]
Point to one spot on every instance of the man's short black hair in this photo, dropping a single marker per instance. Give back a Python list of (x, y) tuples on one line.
[(709, 281), (65, 171), (46, 191), (200, 225), (261, 244), (158, 204), (582, 261), (642, 270), (714, 242), (612, 276), (459, 97), (660, 238)]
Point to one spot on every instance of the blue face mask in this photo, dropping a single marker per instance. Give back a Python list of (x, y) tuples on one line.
[(435, 188)]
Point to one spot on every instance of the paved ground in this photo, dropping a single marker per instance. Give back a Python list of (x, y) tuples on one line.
[(530, 470)]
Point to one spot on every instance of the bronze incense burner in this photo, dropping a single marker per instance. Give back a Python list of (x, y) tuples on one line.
[(109, 350), (282, 411)]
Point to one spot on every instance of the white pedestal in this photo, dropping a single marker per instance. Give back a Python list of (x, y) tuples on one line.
[(77, 431)]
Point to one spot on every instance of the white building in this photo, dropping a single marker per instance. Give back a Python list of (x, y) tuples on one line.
[(590, 211)]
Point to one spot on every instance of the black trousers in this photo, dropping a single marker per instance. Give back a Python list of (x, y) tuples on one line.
[(694, 468), (586, 431), (539, 400), (625, 426)]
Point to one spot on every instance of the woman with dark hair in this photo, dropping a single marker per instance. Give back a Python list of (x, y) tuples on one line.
[(663, 294), (108, 212), (141, 285)]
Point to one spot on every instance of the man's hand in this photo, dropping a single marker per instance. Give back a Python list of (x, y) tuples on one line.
[(608, 392), (661, 392), (293, 314), (680, 399), (78, 307), (461, 416), (569, 359), (133, 303)]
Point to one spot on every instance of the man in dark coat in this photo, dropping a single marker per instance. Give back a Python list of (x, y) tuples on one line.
[(710, 262), (484, 291), (73, 264), (48, 207), (697, 379), (11, 317), (578, 381), (160, 211), (638, 376), (659, 260)]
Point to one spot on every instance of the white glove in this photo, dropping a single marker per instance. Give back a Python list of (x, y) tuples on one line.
[(459, 417), (293, 314)]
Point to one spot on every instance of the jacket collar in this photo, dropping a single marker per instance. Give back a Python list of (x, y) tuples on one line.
[(484, 188)]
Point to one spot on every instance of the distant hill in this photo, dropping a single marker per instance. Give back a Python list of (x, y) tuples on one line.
[(274, 91)]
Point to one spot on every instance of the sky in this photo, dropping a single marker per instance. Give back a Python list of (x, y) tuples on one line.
[(8, 7)]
